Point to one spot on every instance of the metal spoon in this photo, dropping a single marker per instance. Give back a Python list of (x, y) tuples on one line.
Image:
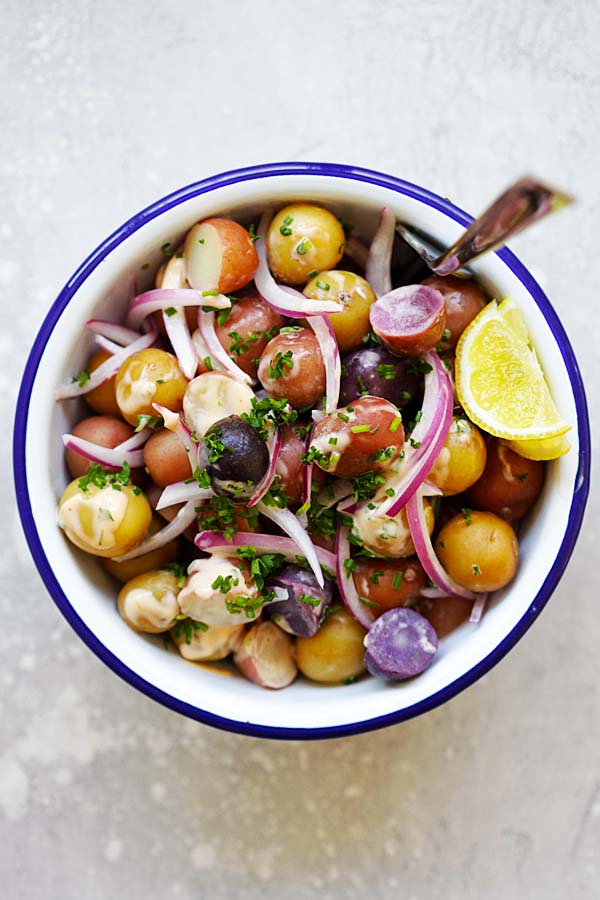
[(522, 204)]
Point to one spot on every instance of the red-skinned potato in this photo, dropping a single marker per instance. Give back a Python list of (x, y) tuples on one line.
[(166, 459), (219, 255), (389, 582), (464, 300), (106, 431), (292, 367), (266, 656), (290, 467), (509, 485), (367, 434), (445, 613), (249, 327)]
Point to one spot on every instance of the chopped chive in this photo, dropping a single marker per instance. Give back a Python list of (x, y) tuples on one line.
[(395, 424), (359, 429)]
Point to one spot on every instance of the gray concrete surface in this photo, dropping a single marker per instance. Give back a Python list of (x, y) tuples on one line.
[(104, 794)]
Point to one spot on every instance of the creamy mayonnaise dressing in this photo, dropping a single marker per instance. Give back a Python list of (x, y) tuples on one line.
[(211, 645), (135, 392), (200, 601), (92, 518), (141, 607), (213, 396)]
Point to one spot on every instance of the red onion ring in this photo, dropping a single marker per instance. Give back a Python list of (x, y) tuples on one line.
[(107, 369), (113, 457), (137, 440), (435, 571), (307, 474), (345, 580), (430, 432), (117, 333), (274, 444), (175, 422), (287, 521), (286, 301), (330, 352), (181, 492), (107, 345), (478, 608), (145, 304), (378, 268), (184, 518), (206, 324), (178, 333), (214, 542)]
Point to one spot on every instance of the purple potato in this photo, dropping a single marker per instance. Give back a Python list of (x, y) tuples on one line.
[(235, 457), (399, 644), (302, 612), (374, 370)]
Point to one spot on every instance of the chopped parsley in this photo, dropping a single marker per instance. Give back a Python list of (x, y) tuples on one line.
[(382, 455), (170, 311), (222, 316), (208, 363), (315, 455), (349, 566), (387, 371), (303, 247), (224, 584), (285, 229), (466, 514), (81, 378), (279, 363), (178, 570), (269, 412), (276, 496), (166, 250), (261, 564), (214, 445), (147, 421), (100, 478), (415, 444), (523, 476), (418, 367), (310, 601), (201, 477), (187, 628), (321, 519), (365, 485), (476, 569), (219, 515), (252, 232)]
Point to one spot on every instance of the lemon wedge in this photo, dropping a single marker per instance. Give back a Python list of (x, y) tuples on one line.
[(545, 448), (499, 380)]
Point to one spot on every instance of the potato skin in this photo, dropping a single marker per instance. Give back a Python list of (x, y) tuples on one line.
[(159, 372), (464, 300), (446, 614), (335, 653), (106, 431), (239, 260), (354, 295), (478, 550), (303, 382), (389, 582), (509, 485), (156, 559), (461, 460), (310, 229), (166, 459), (103, 399), (252, 319)]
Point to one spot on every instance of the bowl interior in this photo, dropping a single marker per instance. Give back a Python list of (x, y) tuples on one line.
[(87, 595)]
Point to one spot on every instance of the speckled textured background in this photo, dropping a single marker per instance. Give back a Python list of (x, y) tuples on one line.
[(103, 794)]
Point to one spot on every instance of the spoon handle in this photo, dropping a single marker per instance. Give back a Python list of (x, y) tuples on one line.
[(523, 203)]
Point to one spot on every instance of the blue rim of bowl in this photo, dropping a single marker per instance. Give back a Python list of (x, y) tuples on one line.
[(234, 176)]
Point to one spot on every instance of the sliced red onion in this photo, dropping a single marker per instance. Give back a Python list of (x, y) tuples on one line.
[(175, 422), (328, 346), (357, 252), (274, 443), (333, 493), (106, 456), (107, 369), (307, 474), (174, 276), (178, 333), (431, 490), (215, 542), (137, 440), (286, 301), (107, 345), (145, 304), (202, 353), (317, 415), (181, 492), (478, 608), (345, 581), (430, 434), (206, 324), (184, 518), (417, 524), (120, 334), (378, 268), (432, 593), (287, 521)]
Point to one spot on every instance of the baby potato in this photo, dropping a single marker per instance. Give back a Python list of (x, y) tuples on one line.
[(148, 602), (335, 653), (461, 460), (150, 376), (208, 643), (213, 396), (389, 583), (219, 255), (103, 399), (464, 300), (166, 458), (478, 550), (445, 613), (155, 559), (303, 238), (354, 295), (106, 431), (292, 367), (366, 435), (104, 521), (247, 330), (509, 485)]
